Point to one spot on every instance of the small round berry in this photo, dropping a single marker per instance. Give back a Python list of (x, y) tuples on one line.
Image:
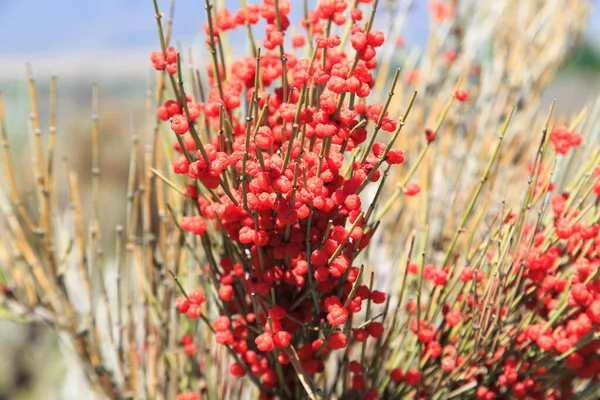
[(448, 364), (378, 297), (375, 329), (180, 124), (162, 113), (412, 377), (395, 157), (337, 315), (264, 342), (337, 340), (461, 94), (396, 375), (236, 369), (360, 335), (412, 189), (182, 304), (197, 296), (226, 292)]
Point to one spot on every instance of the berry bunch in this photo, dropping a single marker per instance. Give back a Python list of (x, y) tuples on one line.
[(274, 183)]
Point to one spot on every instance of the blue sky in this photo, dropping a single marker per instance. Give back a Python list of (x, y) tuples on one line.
[(58, 25), (54, 26), (73, 36), (38, 26)]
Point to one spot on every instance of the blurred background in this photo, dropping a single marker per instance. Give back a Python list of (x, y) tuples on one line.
[(108, 42)]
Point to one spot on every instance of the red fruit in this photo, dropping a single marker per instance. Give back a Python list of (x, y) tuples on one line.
[(375, 38), (593, 311), (358, 40), (182, 304), (412, 377), (162, 113), (236, 369), (282, 339), (194, 111), (196, 296), (337, 340), (396, 375), (264, 342), (360, 335), (358, 382), (277, 313), (298, 40), (378, 297), (356, 14), (412, 189), (481, 392), (429, 135), (426, 335), (353, 202), (264, 138), (172, 68), (226, 292), (221, 324), (545, 342), (172, 107), (448, 364), (195, 224), (395, 157), (355, 367), (190, 349), (461, 94), (434, 349), (453, 317), (194, 311), (272, 326), (372, 394), (331, 302), (337, 316), (440, 11), (378, 149), (375, 329), (186, 339), (466, 274), (180, 124)]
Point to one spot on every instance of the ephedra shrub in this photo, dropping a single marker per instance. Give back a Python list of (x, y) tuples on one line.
[(257, 233)]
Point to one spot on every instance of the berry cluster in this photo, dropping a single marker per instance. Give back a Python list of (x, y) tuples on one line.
[(560, 267), (563, 140), (284, 198)]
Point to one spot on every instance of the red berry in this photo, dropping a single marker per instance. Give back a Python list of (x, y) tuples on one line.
[(461, 94), (453, 317), (337, 340), (182, 304), (395, 157), (180, 124), (196, 296), (375, 329), (337, 316), (236, 369), (396, 375), (378, 297), (412, 377), (264, 342), (162, 113), (226, 292), (412, 189), (282, 339), (360, 335), (448, 364)]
